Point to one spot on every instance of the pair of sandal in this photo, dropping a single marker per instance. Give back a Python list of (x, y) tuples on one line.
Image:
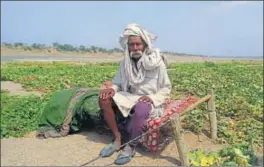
[(124, 157)]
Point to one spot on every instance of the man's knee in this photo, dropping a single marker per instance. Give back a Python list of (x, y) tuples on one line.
[(105, 104), (138, 119), (143, 107), (141, 110)]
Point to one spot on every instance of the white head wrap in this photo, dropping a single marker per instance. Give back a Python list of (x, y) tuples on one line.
[(150, 59), (134, 29)]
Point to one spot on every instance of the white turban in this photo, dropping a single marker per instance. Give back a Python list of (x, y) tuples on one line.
[(150, 59), (134, 29)]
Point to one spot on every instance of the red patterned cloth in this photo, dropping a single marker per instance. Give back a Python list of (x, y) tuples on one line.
[(151, 140)]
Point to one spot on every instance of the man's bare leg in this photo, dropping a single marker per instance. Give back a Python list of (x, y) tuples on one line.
[(109, 116)]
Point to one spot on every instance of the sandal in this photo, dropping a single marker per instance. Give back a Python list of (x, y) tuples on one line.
[(125, 156), (109, 150)]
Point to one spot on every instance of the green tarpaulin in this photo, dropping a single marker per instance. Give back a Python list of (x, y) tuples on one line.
[(68, 111)]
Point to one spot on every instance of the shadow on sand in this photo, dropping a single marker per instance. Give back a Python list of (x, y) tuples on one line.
[(106, 137)]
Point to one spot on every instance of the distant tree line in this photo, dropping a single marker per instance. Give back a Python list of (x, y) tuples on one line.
[(181, 54), (60, 47), (81, 49)]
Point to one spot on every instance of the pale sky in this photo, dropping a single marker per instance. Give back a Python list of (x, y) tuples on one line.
[(216, 28)]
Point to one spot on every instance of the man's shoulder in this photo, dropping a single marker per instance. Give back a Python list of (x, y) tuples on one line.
[(164, 60), (122, 61), (162, 65)]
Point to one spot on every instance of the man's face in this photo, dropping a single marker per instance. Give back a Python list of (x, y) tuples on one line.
[(136, 46)]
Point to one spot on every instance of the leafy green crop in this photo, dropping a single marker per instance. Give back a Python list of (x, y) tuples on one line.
[(56, 76), (233, 155), (19, 115), (238, 89), (195, 120)]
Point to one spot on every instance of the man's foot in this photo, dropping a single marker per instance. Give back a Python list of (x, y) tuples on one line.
[(110, 149), (126, 155)]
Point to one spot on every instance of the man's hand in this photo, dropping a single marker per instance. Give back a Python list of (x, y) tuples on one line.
[(107, 93), (145, 99)]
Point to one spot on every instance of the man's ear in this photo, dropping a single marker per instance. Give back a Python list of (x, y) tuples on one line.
[(144, 43)]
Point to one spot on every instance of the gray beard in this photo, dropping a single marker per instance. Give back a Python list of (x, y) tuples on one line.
[(136, 55)]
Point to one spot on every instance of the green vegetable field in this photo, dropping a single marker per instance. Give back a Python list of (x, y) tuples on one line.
[(238, 89)]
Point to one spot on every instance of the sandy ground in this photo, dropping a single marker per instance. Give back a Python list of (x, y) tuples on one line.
[(78, 149), (112, 59), (16, 89), (102, 57)]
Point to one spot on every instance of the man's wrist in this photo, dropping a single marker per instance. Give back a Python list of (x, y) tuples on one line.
[(115, 87)]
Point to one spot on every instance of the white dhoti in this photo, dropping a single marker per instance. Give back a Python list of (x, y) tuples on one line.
[(126, 101)]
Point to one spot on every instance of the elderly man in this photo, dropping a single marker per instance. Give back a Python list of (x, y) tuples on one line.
[(139, 90)]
